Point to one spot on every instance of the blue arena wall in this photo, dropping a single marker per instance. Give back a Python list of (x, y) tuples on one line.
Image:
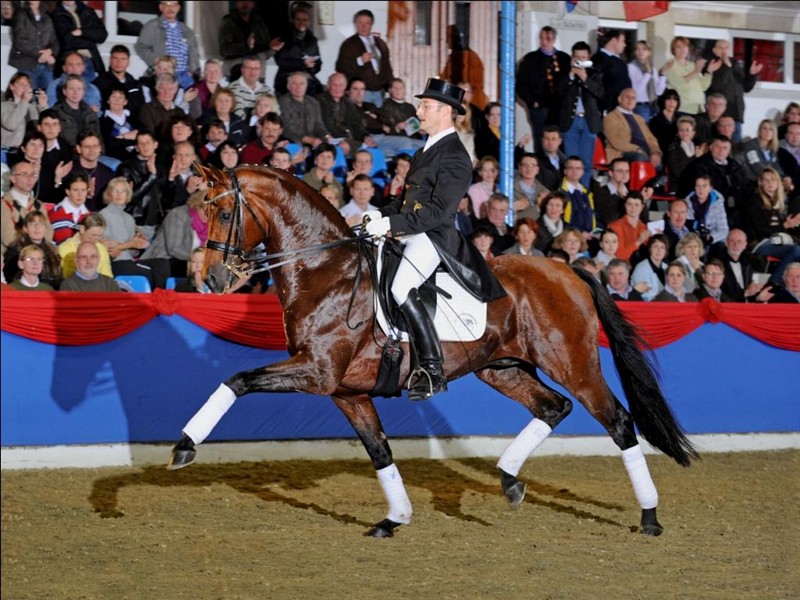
[(145, 386)]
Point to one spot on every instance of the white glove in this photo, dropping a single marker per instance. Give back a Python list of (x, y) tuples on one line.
[(379, 227), (371, 215)]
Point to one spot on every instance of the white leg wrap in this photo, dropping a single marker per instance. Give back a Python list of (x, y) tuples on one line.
[(395, 492), (643, 485), (210, 414), (523, 446)]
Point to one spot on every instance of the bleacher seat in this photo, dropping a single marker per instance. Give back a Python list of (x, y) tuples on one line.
[(340, 166), (641, 173), (172, 282), (380, 169), (599, 159), (135, 283), (111, 162)]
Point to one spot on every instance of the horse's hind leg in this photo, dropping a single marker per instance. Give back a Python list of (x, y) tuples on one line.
[(521, 383), (360, 411)]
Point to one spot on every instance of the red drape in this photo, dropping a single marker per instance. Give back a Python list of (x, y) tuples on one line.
[(71, 319), (638, 11)]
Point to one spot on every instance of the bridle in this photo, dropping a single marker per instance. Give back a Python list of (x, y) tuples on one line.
[(243, 264)]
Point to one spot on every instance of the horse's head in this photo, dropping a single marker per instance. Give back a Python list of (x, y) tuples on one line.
[(235, 230)]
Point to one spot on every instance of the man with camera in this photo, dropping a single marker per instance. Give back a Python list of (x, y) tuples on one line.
[(580, 118)]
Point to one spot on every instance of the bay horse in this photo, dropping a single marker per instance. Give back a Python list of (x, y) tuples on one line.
[(548, 322)]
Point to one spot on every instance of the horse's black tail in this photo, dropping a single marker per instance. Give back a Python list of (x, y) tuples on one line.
[(639, 378)]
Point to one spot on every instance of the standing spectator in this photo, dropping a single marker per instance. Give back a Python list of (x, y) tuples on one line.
[(551, 158), (537, 82), (618, 278), (686, 77), (7, 13), (166, 35), (30, 263), (79, 28), (244, 33), (366, 56), (86, 277), (18, 202), (789, 155), (627, 135), (20, 107), (464, 65), (301, 114), (35, 230), (682, 151), (68, 214), (117, 126), (88, 149), (300, 52), (34, 44), (646, 81), (664, 124), (631, 231), (608, 61), (609, 199), (581, 119), (57, 159), (340, 116), (732, 81), (76, 116), (117, 77), (248, 87), (73, 65), (212, 80), (156, 113)]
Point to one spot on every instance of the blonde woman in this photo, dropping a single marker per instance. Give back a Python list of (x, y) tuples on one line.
[(688, 252), (686, 77), (761, 151), (572, 242)]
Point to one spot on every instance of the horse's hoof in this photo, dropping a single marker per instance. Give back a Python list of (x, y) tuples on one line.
[(515, 494), (650, 525), (183, 454), (384, 529)]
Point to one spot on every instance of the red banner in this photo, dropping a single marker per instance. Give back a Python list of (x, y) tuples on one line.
[(639, 11)]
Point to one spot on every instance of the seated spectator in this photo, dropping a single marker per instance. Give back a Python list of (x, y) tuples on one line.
[(212, 80), (770, 224), (248, 87), (789, 156), (301, 114), (664, 125), (738, 282), (34, 44), (630, 229), (496, 212), (18, 202), (181, 183), (558, 255), (525, 232), (35, 228), (707, 209), (215, 134), (167, 35), (396, 114), (158, 111), (193, 283), (56, 162), (282, 159), (244, 33), (609, 243), (790, 292), (676, 224), (682, 151), (74, 65), (551, 221), (300, 52), (363, 165), (124, 241), (270, 137), (223, 108), (177, 129), (30, 264), (87, 278), (689, 253), (467, 135), (761, 152), (118, 78), (76, 116), (187, 100), (66, 216), (361, 192), (712, 276), (627, 134), (674, 288), (487, 140), (265, 104), (528, 190), (587, 264), (322, 172), (91, 229), (485, 186), (791, 114), (341, 118), (617, 274), (474, 111), (184, 229), (572, 242), (146, 178), (609, 199), (117, 126), (706, 122), (395, 186), (551, 158), (579, 211), (332, 194), (225, 157), (651, 272), (88, 148), (19, 108), (31, 150), (482, 239)]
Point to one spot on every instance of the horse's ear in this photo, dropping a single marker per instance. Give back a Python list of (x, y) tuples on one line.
[(210, 174)]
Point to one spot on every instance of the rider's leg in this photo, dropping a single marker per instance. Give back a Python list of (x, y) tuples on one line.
[(420, 260)]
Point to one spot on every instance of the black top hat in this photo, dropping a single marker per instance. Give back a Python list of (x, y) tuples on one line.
[(444, 91)]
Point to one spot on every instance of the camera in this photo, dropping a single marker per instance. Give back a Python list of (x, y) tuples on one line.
[(583, 64)]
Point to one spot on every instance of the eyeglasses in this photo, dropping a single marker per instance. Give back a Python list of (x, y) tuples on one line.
[(34, 259), (429, 106), (23, 174)]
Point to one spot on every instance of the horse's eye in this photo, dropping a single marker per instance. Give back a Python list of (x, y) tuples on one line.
[(225, 216)]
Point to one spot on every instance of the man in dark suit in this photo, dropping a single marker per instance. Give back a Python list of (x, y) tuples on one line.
[(423, 217), (551, 158), (735, 259), (366, 56), (609, 61)]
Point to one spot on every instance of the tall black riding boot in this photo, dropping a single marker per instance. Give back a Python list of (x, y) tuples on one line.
[(428, 378)]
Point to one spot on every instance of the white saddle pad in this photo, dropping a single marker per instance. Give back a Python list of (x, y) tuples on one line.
[(459, 319)]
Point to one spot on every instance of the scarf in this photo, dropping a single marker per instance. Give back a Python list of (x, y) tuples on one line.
[(651, 83), (199, 226), (554, 227), (660, 272)]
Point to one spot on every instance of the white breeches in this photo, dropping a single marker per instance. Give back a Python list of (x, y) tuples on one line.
[(420, 260)]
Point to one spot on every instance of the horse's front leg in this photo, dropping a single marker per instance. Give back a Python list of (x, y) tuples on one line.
[(293, 375), (360, 411)]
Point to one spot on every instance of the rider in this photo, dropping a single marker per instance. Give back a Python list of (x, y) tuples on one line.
[(423, 217)]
